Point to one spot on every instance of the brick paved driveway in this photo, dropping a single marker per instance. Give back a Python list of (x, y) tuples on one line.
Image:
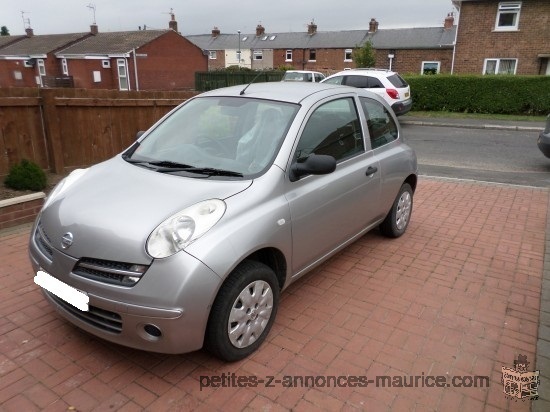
[(457, 296)]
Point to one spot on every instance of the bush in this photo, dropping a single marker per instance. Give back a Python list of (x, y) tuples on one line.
[(519, 95), (26, 176)]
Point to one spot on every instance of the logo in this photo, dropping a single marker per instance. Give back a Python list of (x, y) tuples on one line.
[(67, 240), (520, 384)]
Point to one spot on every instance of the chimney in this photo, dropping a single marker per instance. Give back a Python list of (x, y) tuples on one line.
[(173, 24), (260, 30), (311, 28), (94, 29), (373, 25), (29, 31), (449, 21), (215, 32)]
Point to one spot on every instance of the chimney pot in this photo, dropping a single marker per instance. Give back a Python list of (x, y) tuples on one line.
[(260, 30), (94, 29), (215, 32), (29, 32), (173, 24)]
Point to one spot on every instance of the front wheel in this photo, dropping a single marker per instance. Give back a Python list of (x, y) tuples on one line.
[(243, 311), (397, 220)]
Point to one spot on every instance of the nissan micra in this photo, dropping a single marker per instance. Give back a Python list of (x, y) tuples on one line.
[(188, 237)]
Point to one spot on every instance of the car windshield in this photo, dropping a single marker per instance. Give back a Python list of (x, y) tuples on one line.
[(217, 136), (297, 77)]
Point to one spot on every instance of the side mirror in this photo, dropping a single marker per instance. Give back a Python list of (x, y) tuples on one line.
[(139, 134), (313, 165)]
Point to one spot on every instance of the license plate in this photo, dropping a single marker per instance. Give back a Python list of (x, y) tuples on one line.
[(407, 94), (69, 294)]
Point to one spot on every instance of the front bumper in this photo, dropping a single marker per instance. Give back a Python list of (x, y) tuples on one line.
[(166, 311)]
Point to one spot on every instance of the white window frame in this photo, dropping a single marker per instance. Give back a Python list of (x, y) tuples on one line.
[(106, 64), (64, 67), (41, 67), (508, 7), (288, 56), (121, 63), (498, 61), (422, 68), (348, 55), (212, 54), (258, 55), (314, 52)]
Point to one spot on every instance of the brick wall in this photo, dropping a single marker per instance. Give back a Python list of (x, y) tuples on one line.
[(478, 40), (23, 209)]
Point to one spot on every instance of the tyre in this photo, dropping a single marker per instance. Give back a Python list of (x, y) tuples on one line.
[(243, 312), (397, 220)]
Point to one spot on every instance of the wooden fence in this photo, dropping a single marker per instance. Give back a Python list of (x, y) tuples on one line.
[(63, 129)]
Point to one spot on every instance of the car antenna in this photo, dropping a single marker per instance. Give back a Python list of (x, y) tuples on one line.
[(246, 87)]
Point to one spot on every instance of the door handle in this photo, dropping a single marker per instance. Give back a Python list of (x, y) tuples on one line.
[(371, 170)]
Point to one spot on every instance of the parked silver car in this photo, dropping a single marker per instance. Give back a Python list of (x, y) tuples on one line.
[(187, 238)]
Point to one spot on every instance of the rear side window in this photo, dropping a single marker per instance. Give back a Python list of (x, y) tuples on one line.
[(357, 81), (397, 80), (374, 83), (382, 127)]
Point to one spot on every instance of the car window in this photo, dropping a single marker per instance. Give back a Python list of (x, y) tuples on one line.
[(382, 127), (357, 81), (397, 80), (332, 129), (319, 77), (334, 80), (375, 83)]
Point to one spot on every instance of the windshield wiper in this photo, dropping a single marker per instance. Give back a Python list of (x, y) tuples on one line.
[(208, 171), (170, 164)]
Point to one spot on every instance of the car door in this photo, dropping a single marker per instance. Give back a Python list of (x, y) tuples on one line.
[(328, 210)]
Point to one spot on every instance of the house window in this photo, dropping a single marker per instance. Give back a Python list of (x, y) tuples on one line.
[(430, 67), (288, 56), (212, 55), (312, 55), (347, 55), (41, 67), (500, 66), (258, 54), (64, 67), (508, 16), (122, 75), (106, 64)]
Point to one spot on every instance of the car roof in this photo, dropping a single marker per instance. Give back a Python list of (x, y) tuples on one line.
[(292, 92), (364, 71)]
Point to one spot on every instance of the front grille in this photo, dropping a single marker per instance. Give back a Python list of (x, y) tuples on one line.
[(99, 318), (107, 271), (43, 241)]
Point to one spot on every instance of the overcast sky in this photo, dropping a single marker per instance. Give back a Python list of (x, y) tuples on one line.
[(199, 17)]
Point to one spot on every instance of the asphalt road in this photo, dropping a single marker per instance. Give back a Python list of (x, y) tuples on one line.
[(502, 156)]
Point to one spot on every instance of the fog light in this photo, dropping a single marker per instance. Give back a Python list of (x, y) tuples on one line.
[(152, 330)]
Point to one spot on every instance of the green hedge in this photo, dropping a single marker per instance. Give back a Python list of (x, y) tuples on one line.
[(205, 81), (519, 95)]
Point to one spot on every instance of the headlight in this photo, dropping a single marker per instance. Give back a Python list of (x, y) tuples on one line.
[(183, 228), (63, 185)]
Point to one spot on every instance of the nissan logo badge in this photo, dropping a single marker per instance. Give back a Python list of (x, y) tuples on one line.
[(67, 240)]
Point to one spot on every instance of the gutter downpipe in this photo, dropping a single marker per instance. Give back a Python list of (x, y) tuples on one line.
[(457, 6), (136, 70)]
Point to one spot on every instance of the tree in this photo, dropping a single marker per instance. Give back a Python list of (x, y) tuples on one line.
[(4, 31), (364, 56)]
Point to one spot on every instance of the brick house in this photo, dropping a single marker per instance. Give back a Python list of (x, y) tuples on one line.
[(29, 61), (132, 60), (136, 60), (407, 50), (503, 37)]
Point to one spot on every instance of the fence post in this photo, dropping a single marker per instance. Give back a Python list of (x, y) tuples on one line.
[(53, 131)]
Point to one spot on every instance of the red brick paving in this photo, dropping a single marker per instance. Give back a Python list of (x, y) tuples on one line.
[(458, 295)]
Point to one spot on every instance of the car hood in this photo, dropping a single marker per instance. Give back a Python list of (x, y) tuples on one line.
[(113, 208)]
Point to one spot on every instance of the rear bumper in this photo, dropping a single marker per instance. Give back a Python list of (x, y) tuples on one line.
[(401, 108), (543, 143)]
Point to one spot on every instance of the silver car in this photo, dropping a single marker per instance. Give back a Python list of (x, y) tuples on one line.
[(187, 238)]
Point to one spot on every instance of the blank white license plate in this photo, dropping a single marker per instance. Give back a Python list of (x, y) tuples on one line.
[(69, 294)]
